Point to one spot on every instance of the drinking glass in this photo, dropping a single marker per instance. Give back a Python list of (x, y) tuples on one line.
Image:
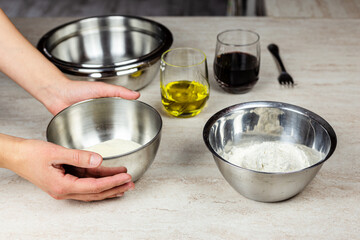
[(237, 60), (184, 81)]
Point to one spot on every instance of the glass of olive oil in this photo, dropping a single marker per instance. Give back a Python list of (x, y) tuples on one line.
[(184, 81)]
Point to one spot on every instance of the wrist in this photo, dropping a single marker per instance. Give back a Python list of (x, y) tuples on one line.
[(50, 95), (10, 150)]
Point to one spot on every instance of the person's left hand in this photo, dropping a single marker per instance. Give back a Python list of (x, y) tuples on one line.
[(63, 173), (69, 92)]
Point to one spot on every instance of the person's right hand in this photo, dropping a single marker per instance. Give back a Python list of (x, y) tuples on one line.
[(63, 173)]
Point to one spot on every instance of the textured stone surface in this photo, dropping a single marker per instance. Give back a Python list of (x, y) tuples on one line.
[(313, 9), (183, 195), (70, 8)]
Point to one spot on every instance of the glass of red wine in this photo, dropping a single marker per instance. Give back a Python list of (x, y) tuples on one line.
[(237, 60)]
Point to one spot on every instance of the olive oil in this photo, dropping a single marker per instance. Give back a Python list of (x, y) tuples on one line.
[(184, 98)]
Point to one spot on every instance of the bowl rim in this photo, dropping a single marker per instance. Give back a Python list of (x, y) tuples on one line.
[(111, 69), (117, 99), (270, 104)]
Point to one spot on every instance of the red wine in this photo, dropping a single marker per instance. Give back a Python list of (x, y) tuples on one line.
[(236, 72)]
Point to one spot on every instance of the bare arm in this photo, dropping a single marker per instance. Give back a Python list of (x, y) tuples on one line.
[(44, 163), (24, 64)]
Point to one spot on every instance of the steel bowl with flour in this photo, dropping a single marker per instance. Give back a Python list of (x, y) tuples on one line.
[(121, 50), (95, 121), (254, 123)]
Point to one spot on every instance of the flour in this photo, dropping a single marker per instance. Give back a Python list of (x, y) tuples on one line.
[(273, 156), (113, 147)]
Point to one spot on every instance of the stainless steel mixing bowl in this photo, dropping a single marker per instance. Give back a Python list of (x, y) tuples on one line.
[(267, 121), (90, 122), (121, 50)]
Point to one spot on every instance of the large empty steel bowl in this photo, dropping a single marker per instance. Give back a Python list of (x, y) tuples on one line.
[(94, 121), (267, 121), (121, 50)]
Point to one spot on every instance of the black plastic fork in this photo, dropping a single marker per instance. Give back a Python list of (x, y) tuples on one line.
[(284, 77)]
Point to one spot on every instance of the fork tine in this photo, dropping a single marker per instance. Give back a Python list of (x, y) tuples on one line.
[(291, 81), (287, 81)]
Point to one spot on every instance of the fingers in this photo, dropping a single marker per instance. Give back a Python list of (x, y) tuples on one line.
[(111, 193), (94, 185), (104, 171), (94, 172), (119, 91), (91, 189), (128, 94), (76, 91), (84, 163), (78, 158), (95, 182)]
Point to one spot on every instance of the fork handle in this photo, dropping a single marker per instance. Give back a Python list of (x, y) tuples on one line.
[(274, 49)]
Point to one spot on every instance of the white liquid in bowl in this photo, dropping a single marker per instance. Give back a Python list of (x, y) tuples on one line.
[(114, 147)]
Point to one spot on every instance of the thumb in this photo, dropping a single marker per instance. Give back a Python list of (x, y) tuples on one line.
[(80, 158)]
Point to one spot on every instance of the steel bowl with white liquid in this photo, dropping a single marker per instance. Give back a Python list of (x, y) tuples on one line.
[(95, 121)]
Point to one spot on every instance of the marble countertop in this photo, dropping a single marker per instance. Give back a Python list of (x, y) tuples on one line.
[(183, 195), (313, 9)]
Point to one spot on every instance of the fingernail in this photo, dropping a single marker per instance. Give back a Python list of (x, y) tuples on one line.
[(128, 179), (120, 195), (132, 187), (95, 160)]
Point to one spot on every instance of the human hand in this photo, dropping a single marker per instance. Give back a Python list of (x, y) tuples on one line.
[(64, 173), (69, 92), (44, 80)]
